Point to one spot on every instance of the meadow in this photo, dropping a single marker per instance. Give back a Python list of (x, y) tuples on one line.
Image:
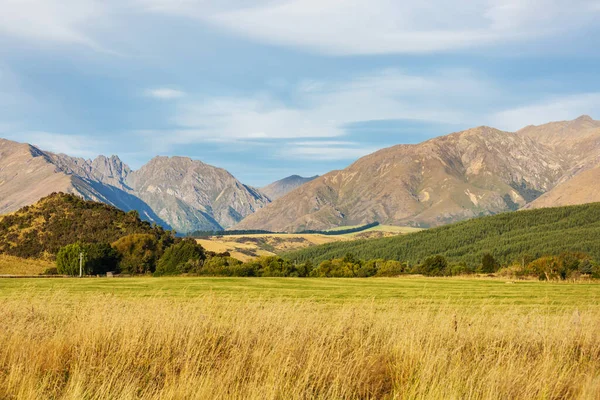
[(250, 246), (270, 338)]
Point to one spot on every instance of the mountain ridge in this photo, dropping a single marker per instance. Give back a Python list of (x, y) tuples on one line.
[(206, 197), (477, 171)]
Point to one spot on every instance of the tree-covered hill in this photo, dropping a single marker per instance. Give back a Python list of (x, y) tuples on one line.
[(508, 237), (59, 219)]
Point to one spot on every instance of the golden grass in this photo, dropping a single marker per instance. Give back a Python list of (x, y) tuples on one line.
[(10, 265), (100, 346), (243, 246)]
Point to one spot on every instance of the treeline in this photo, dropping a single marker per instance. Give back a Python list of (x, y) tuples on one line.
[(137, 255), (343, 231), (508, 237), (203, 234)]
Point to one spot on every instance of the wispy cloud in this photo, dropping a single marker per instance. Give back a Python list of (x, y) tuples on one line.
[(324, 151), (385, 26), (324, 109), (555, 108), (51, 20), (164, 93), (73, 145), (326, 26)]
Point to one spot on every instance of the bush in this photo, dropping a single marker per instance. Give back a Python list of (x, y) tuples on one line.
[(434, 266), (138, 253), (67, 260), (180, 258), (98, 258), (489, 264)]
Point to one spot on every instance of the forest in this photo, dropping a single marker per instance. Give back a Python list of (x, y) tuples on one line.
[(509, 237)]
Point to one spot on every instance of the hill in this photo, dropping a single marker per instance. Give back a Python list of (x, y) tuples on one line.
[(508, 237), (283, 186), (480, 171), (40, 230), (175, 192)]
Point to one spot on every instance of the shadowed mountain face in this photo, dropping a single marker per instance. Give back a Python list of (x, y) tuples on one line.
[(178, 193), (475, 172), (283, 186)]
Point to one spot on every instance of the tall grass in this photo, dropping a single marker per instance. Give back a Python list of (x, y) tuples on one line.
[(10, 265), (108, 347)]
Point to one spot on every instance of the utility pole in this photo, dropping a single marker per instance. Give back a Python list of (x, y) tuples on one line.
[(81, 264)]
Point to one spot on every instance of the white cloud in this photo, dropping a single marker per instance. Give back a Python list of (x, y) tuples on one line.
[(51, 20), (327, 108), (322, 151), (327, 26), (393, 26), (72, 145), (556, 108), (164, 93)]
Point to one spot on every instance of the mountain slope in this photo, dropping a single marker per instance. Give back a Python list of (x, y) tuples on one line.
[(578, 142), (192, 195), (174, 192), (454, 177), (59, 219), (283, 186), (508, 237)]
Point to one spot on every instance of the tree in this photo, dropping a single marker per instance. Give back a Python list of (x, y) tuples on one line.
[(489, 264), (434, 266), (138, 253), (100, 258), (176, 259), (67, 260)]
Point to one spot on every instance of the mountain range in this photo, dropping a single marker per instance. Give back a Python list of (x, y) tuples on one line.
[(475, 172), (478, 171), (174, 192)]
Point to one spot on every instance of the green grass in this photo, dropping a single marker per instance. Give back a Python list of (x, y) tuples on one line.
[(407, 291)]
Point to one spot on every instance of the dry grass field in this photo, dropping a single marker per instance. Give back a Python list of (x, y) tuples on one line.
[(10, 265), (268, 338), (248, 247)]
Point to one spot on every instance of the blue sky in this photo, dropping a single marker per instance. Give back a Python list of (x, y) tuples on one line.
[(268, 89)]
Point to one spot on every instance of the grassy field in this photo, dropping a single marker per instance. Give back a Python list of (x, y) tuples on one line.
[(247, 247), (10, 265), (250, 246), (268, 338)]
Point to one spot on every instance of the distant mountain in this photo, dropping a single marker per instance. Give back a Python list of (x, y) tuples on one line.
[(191, 195), (283, 186), (176, 192), (475, 172), (41, 229)]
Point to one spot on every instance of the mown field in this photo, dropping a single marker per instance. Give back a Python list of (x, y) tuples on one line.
[(269, 338)]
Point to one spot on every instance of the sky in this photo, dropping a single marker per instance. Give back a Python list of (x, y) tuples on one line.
[(267, 89)]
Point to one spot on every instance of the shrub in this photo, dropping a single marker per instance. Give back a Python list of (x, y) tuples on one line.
[(434, 266), (138, 253), (67, 260), (178, 258), (100, 258), (489, 264)]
